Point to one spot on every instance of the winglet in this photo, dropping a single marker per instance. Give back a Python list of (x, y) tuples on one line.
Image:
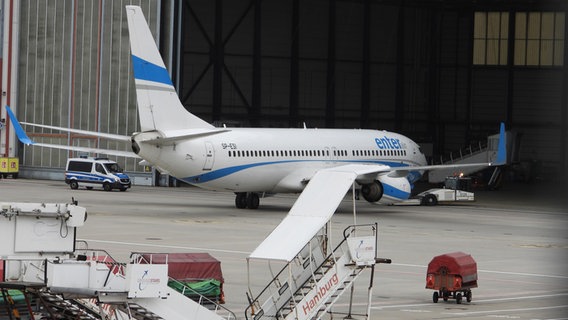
[(22, 136), (501, 147)]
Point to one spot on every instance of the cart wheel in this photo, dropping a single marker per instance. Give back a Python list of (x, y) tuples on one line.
[(435, 297), (429, 200), (468, 296), (459, 298), (445, 295)]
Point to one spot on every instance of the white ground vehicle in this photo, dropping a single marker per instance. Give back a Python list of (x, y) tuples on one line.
[(94, 172), (456, 189)]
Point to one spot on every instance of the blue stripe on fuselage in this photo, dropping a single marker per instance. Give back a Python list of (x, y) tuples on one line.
[(413, 176), (144, 70)]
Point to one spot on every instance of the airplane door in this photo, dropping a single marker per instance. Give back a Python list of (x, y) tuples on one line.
[(333, 153), (209, 156)]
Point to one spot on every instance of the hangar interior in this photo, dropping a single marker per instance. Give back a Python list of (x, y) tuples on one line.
[(442, 72)]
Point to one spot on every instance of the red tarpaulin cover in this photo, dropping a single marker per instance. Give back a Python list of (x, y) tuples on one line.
[(189, 266), (1, 270), (458, 263)]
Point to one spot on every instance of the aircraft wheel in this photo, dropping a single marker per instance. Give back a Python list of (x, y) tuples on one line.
[(74, 185), (241, 200), (252, 200)]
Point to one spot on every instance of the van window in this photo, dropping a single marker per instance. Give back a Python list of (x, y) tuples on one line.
[(80, 166), (113, 167), (99, 168)]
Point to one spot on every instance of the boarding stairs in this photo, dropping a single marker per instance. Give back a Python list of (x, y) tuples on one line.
[(39, 302), (59, 308), (122, 297), (310, 285), (480, 153)]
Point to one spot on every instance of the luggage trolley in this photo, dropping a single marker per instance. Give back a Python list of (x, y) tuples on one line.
[(452, 275)]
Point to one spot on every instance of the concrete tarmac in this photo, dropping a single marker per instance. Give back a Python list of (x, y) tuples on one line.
[(517, 235)]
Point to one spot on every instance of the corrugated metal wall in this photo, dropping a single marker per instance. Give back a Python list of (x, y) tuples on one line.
[(74, 71)]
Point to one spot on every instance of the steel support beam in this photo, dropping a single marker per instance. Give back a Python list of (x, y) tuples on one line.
[(294, 98), (400, 69), (255, 110), (331, 57), (365, 121), (564, 109), (510, 69), (218, 59)]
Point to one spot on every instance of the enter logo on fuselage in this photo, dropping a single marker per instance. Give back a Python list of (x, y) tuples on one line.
[(388, 143)]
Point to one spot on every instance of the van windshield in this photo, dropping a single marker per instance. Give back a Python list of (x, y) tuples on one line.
[(113, 167)]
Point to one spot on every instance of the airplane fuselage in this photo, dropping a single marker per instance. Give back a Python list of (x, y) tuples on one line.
[(278, 160)]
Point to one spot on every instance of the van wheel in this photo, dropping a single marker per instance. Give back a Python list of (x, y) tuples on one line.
[(107, 186), (74, 185)]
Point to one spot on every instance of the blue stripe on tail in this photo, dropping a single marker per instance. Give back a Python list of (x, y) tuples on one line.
[(144, 70)]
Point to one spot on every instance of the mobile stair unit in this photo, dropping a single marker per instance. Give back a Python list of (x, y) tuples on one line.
[(308, 286), (315, 275), (60, 281)]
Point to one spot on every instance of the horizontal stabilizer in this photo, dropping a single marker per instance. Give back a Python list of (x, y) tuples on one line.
[(118, 153), (22, 136), (109, 136), (170, 137)]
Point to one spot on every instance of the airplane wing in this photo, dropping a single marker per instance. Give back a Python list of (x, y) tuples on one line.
[(310, 212), (23, 137)]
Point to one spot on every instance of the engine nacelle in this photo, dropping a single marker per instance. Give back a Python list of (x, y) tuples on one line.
[(373, 191), (387, 189)]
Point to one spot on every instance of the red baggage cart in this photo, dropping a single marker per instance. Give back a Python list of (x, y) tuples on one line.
[(452, 275)]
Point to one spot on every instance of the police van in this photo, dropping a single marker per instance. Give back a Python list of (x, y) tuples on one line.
[(94, 172)]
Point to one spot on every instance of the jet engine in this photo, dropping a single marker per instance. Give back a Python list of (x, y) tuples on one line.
[(386, 189)]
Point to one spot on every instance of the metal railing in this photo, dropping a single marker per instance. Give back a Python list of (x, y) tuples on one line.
[(139, 257), (280, 284)]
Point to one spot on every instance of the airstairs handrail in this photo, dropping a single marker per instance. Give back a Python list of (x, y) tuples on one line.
[(463, 152), (276, 279), (203, 300), (138, 257), (117, 268), (256, 303)]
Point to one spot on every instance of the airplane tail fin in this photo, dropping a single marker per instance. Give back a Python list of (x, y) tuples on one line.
[(159, 106), (501, 147)]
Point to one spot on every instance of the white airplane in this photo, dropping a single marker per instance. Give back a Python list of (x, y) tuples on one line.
[(252, 162)]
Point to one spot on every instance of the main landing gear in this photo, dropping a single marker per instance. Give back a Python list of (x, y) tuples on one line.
[(249, 200)]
